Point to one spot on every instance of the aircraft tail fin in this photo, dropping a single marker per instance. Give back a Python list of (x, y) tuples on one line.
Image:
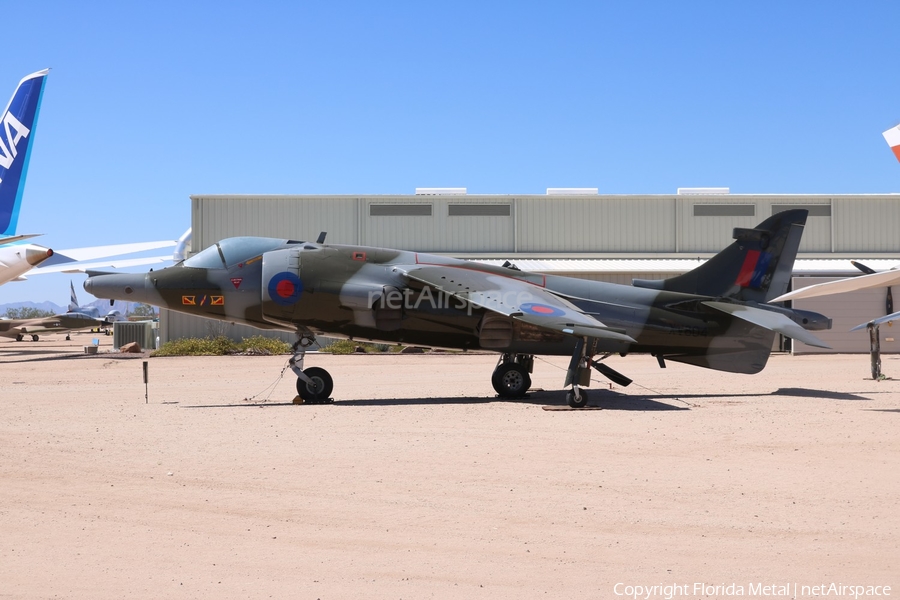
[(73, 299), (755, 267), (17, 125), (892, 137)]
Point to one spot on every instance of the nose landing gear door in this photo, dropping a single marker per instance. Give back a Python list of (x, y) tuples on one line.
[(282, 286)]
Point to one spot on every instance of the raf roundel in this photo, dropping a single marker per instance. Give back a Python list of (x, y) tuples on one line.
[(285, 288), (543, 310)]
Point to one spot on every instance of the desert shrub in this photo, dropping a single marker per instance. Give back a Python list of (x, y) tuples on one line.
[(219, 345), (349, 347), (341, 347), (260, 344)]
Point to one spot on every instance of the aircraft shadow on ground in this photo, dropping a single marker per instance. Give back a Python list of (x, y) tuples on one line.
[(605, 399), (824, 394)]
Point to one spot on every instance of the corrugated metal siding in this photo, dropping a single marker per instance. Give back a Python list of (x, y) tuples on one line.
[(846, 311), (596, 224), (174, 325), (547, 223), (440, 232), (712, 233), (291, 217), (867, 224), (817, 232)]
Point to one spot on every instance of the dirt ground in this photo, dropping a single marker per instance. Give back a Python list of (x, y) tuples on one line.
[(419, 483)]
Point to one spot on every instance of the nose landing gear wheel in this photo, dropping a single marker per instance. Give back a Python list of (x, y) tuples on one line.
[(510, 380), (321, 387)]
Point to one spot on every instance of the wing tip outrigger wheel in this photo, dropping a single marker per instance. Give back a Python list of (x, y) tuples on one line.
[(577, 397)]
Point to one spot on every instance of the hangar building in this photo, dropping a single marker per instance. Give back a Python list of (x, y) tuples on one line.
[(580, 233)]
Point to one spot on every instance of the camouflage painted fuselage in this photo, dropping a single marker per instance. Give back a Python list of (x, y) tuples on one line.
[(366, 293)]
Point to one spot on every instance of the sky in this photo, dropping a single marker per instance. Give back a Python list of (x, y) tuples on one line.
[(149, 103)]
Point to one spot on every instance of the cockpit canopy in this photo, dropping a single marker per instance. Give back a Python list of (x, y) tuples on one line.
[(231, 251)]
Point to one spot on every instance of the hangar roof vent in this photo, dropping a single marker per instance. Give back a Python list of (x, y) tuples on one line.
[(441, 191), (703, 191), (571, 191)]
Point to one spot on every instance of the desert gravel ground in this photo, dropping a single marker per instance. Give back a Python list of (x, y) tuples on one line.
[(419, 483)]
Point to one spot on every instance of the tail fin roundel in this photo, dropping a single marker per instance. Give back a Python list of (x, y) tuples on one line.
[(17, 125)]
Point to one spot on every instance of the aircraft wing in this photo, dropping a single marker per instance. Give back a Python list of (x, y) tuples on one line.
[(17, 238), (514, 298), (770, 320), (851, 284), (879, 321), (83, 267), (95, 252)]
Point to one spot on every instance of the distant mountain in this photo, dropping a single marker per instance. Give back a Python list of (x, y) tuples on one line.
[(48, 306)]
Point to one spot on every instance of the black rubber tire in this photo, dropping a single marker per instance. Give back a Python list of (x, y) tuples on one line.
[(20, 337), (510, 380), (323, 389), (35, 338), (579, 402)]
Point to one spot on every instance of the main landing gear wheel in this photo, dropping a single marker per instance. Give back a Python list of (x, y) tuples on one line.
[(321, 387), (510, 380), (20, 337), (577, 398), (34, 338)]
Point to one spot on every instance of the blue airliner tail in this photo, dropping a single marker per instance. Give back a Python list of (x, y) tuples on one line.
[(17, 125)]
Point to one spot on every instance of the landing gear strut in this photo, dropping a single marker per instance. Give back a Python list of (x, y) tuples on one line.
[(511, 377), (579, 373), (314, 385)]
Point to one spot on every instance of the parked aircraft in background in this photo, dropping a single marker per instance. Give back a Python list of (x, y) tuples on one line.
[(17, 128), (16, 136), (870, 279), (19, 328), (714, 316), (105, 321), (851, 284), (74, 319)]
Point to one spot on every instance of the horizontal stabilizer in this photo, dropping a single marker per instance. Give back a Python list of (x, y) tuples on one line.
[(770, 320), (879, 321), (852, 284)]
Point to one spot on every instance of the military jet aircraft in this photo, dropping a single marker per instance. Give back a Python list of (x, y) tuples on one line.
[(75, 318), (714, 316), (19, 328)]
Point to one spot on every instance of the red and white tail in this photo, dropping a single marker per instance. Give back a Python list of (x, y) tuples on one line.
[(892, 136)]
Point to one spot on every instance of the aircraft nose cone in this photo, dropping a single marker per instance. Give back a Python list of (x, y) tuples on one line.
[(118, 286), (36, 256)]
